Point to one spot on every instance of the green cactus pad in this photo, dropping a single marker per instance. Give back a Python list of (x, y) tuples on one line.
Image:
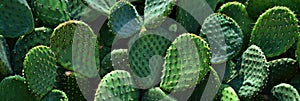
[(296, 81), (13, 88), (224, 36), (156, 11), (102, 6), (285, 92), (76, 47), (280, 68), (5, 67), (275, 31), (40, 70), (186, 63), (226, 93), (146, 58), (55, 95), (40, 36), (16, 18), (230, 72), (51, 12), (254, 71), (237, 11), (116, 60), (117, 85), (156, 94), (107, 37), (124, 20), (257, 7)]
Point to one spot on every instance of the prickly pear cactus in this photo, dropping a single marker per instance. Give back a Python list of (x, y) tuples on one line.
[(276, 23), (124, 20), (186, 63), (40, 70), (296, 81), (16, 18), (156, 11), (76, 47), (224, 36), (156, 94), (102, 6), (55, 95), (280, 68), (285, 92), (5, 67), (40, 36), (237, 11), (116, 60), (254, 71), (117, 85), (230, 72), (226, 93), (13, 88)]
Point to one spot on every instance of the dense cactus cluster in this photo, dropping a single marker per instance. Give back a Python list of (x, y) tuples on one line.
[(149, 50)]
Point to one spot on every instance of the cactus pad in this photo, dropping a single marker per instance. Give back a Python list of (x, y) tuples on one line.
[(16, 18), (226, 93), (276, 23), (156, 11), (116, 60), (124, 20), (117, 85), (5, 67), (224, 36), (13, 88), (40, 70), (55, 95), (186, 63), (254, 71), (280, 68), (40, 36), (102, 6), (76, 47), (285, 92), (156, 94)]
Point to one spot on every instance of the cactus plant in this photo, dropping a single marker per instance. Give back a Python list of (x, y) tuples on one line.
[(285, 92), (279, 68), (40, 36), (5, 66), (55, 95), (13, 88), (40, 70), (230, 72), (276, 22), (16, 18), (224, 36), (102, 6), (76, 47), (186, 63), (254, 71), (116, 60), (117, 85), (156, 94), (226, 93)]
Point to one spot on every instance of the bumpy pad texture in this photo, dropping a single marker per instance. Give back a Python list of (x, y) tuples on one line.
[(40, 36), (282, 70), (16, 18), (13, 88), (285, 92), (226, 93), (117, 85), (40, 70), (55, 95), (156, 94), (116, 60), (275, 31), (76, 47), (103, 6), (5, 67), (254, 71), (186, 63), (156, 11), (224, 37), (124, 19)]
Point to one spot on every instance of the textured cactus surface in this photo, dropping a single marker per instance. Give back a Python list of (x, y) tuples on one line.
[(156, 94), (55, 95), (280, 67), (276, 22), (116, 60), (226, 93), (285, 92), (18, 13)]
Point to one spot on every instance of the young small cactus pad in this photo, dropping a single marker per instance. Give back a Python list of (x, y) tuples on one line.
[(226, 93), (13, 88), (124, 20), (16, 18), (40, 36), (76, 47), (186, 63), (115, 86), (40, 70), (276, 23), (254, 71), (156, 94), (224, 37), (5, 67), (55, 95), (285, 92)]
